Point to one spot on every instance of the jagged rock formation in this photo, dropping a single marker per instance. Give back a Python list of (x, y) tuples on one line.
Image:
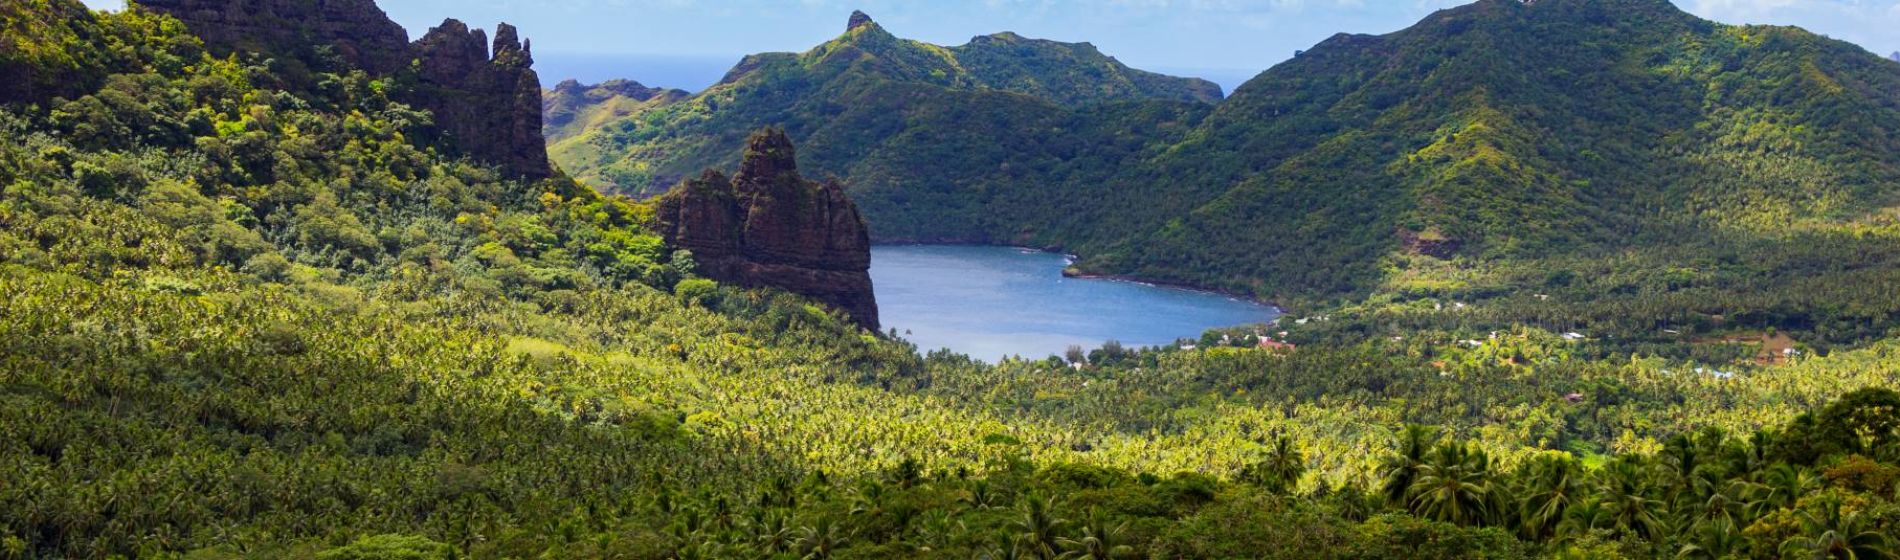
[(572, 108), (858, 19), (487, 105), (767, 226), (1895, 56), (361, 33)]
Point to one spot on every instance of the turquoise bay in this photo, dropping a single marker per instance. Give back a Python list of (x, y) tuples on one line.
[(992, 302)]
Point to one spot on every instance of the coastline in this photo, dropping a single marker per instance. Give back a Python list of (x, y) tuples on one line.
[(1070, 271)]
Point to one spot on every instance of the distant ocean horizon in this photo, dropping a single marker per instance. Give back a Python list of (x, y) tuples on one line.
[(688, 72), (695, 73)]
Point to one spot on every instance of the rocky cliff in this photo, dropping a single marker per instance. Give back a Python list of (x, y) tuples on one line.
[(487, 104), (768, 226)]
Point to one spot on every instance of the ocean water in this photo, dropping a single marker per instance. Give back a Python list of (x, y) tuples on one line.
[(690, 73), (991, 302)]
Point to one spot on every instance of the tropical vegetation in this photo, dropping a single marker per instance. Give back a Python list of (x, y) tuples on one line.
[(248, 319)]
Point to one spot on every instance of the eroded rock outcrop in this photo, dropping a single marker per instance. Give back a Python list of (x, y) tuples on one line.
[(487, 103), (768, 226)]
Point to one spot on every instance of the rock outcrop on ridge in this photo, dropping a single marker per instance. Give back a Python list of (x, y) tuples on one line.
[(487, 102), (768, 226)]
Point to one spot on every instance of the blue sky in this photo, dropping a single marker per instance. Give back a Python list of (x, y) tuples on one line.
[(1225, 40)]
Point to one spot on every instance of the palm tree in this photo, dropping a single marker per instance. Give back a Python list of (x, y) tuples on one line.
[(1454, 486), (1692, 478), (1781, 485), (1006, 547), (1037, 526), (1713, 539), (980, 496), (1832, 535), (820, 541), (1098, 540), (1554, 486), (1280, 470), (1625, 497), (1400, 470), (770, 533), (868, 498), (1725, 506), (1586, 515)]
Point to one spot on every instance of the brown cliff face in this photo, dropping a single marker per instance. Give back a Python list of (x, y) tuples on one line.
[(767, 226), (362, 35), (487, 106)]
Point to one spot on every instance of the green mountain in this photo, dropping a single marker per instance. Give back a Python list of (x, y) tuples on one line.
[(1511, 129), (1478, 151), (572, 108), (870, 96), (1072, 74)]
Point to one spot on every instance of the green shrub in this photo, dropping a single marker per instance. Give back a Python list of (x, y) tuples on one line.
[(390, 547), (698, 291)]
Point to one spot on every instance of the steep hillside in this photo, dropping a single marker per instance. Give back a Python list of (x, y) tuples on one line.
[(1073, 74), (868, 97), (572, 108), (1512, 130), (36, 61), (1500, 132)]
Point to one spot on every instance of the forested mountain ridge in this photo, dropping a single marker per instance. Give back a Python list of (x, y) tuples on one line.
[(572, 107), (848, 101), (1511, 129)]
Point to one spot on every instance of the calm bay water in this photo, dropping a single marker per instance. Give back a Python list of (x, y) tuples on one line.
[(991, 302)]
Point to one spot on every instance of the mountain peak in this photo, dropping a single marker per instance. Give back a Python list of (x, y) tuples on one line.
[(858, 19)]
